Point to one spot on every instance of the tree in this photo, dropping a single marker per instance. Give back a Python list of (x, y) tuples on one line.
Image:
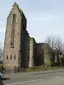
[(57, 46), (55, 43), (51, 40)]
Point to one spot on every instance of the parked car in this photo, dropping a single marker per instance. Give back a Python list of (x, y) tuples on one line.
[(1, 75), (1, 83)]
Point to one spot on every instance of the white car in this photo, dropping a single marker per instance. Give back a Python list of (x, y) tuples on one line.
[(1, 75)]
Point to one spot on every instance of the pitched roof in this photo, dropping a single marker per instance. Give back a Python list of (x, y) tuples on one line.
[(15, 5)]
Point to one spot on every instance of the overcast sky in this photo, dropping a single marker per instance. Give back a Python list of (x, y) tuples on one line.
[(44, 17)]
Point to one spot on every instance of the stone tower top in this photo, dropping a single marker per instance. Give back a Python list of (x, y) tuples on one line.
[(15, 5)]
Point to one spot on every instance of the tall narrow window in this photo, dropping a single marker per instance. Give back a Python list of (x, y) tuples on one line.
[(13, 30), (7, 57), (11, 57), (14, 57)]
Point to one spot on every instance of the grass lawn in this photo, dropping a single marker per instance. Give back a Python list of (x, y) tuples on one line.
[(41, 68)]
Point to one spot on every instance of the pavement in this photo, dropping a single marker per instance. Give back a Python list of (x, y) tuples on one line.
[(35, 78)]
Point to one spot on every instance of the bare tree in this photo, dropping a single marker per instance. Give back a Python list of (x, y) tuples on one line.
[(59, 44), (51, 40), (54, 42)]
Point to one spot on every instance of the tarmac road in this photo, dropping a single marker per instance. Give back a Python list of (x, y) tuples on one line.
[(55, 77)]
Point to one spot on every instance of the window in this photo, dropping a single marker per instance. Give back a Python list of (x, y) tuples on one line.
[(14, 57), (11, 57), (7, 57), (13, 30)]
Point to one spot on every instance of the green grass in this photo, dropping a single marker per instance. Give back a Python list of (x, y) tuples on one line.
[(40, 69)]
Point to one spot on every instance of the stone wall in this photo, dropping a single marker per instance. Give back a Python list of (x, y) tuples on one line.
[(8, 50), (39, 55), (12, 54), (47, 54), (31, 52)]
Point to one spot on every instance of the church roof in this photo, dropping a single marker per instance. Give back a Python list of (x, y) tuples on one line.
[(20, 10), (15, 5)]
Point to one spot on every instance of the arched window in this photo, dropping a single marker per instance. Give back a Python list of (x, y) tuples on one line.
[(14, 57), (13, 30), (7, 57), (11, 57)]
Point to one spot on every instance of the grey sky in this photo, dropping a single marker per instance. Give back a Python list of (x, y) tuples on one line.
[(44, 17)]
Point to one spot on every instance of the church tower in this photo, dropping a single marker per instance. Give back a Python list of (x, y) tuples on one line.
[(16, 26)]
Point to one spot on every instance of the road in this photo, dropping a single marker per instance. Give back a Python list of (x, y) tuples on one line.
[(55, 77)]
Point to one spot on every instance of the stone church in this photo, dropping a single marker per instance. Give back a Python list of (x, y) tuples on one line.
[(20, 49)]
